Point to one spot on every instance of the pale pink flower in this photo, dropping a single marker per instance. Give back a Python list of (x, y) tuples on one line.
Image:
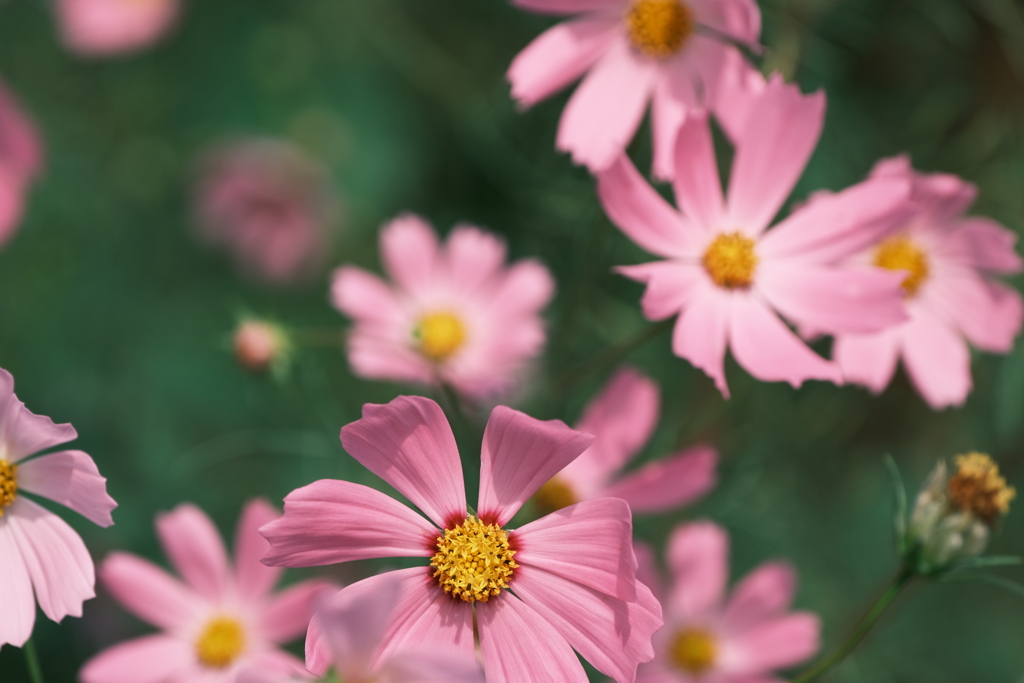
[(622, 419), (710, 639), (455, 313), (949, 263), (355, 629), (21, 158), (726, 277), (670, 53), (566, 581), (220, 619), (269, 204), (108, 27), (38, 551)]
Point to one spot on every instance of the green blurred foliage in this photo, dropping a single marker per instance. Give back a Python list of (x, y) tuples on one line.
[(115, 319)]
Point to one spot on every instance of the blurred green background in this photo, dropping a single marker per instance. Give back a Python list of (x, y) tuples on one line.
[(116, 320)]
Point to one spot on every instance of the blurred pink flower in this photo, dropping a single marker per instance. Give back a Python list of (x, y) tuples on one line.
[(269, 205), (219, 620), (354, 628), (566, 581), (107, 27), (710, 639), (622, 419), (21, 159), (725, 277), (668, 52), (948, 262), (38, 550), (456, 313)]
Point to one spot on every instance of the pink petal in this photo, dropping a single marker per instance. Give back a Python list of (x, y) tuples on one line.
[(105, 27), (152, 659), (276, 661), (332, 521), (408, 247), (698, 557), (149, 592), (984, 243), (590, 543), (527, 287), (989, 315), (375, 357), (194, 546), (19, 615), (869, 359), (353, 625), (769, 350), (605, 111), (254, 578), (668, 484), (775, 644), (288, 615), (519, 645), (674, 97), (739, 19), (658, 672), (738, 90), (12, 202), (58, 563), (24, 432), (697, 185), (647, 569), (613, 635), (363, 296), (764, 593), (701, 332), (473, 257), (71, 479), (566, 6), (20, 145), (558, 57), (772, 152), (670, 286), (937, 360), (436, 665), (519, 454), (409, 444)]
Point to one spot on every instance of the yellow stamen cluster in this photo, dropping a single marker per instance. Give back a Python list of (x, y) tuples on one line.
[(694, 651), (473, 560), (8, 484), (731, 261), (554, 495), (978, 487), (440, 335), (900, 253), (659, 28), (221, 642)]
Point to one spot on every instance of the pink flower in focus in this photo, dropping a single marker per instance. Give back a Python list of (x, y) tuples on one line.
[(710, 639), (725, 277), (107, 27), (269, 205), (456, 313), (38, 551), (354, 630), (948, 262), (670, 53), (566, 581), (622, 419), (21, 159), (220, 619)]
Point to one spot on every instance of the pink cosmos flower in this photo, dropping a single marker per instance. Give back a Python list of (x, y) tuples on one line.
[(354, 628), (566, 581), (949, 262), (107, 27), (726, 277), (21, 158), (219, 620), (269, 205), (456, 314), (622, 419), (708, 639), (38, 551), (670, 53)]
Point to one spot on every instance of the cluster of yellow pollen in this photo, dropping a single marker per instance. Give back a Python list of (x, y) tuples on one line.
[(8, 484), (978, 487), (694, 651), (440, 335), (900, 253), (659, 28), (220, 643), (731, 261), (473, 560), (554, 495)]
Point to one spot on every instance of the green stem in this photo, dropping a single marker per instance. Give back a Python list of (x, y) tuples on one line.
[(828, 663), (35, 672), (612, 355)]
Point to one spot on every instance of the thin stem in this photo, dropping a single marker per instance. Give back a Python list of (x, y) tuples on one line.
[(828, 663), (35, 672), (612, 355)]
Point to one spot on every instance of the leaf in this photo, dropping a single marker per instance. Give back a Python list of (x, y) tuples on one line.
[(900, 521), (990, 579), (991, 561)]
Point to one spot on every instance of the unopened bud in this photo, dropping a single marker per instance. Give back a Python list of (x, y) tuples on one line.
[(258, 345)]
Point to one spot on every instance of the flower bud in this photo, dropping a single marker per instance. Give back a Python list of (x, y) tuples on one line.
[(259, 344)]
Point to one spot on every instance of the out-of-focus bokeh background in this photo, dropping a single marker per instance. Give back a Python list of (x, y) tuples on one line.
[(115, 317)]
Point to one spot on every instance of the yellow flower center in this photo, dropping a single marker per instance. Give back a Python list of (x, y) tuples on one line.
[(694, 651), (473, 560), (440, 335), (555, 495), (8, 484), (659, 28), (977, 487), (221, 642), (731, 261), (900, 253)]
